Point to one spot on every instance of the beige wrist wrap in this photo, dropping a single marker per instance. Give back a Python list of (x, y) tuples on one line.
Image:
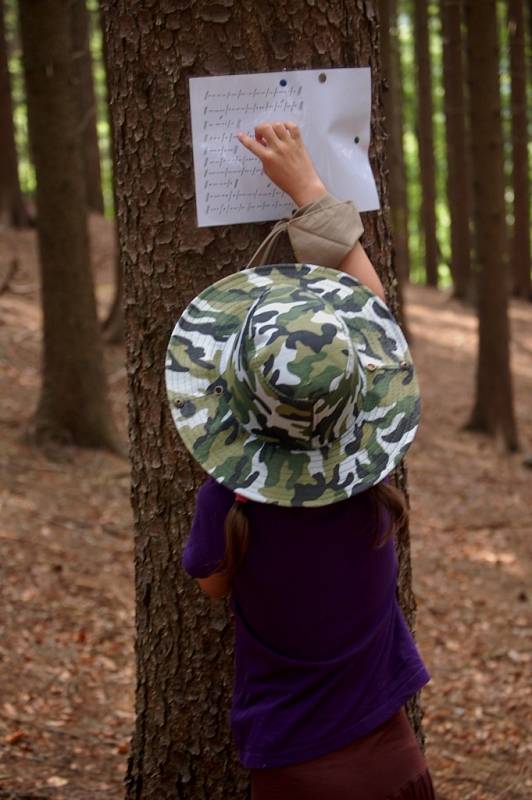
[(321, 232)]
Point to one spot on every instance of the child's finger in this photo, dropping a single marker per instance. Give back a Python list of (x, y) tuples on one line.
[(281, 131), (265, 131), (253, 145), (293, 129)]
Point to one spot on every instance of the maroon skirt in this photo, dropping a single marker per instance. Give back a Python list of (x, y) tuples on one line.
[(387, 764)]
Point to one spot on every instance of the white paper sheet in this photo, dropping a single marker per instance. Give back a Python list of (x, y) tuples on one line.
[(332, 112)]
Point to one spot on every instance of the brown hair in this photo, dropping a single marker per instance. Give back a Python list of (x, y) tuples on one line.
[(237, 525), (236, 530), (394, 501)]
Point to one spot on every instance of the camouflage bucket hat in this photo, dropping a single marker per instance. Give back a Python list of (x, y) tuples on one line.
[(292, 384)]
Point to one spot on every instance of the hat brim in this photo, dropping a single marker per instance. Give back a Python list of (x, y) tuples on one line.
[(386, 416)]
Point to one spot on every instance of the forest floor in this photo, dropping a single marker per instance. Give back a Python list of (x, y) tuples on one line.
[(66, 643)]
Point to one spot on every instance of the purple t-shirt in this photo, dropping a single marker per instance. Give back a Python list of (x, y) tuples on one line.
[(322, 652)]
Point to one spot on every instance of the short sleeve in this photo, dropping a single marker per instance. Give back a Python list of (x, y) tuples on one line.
[(205, 546)]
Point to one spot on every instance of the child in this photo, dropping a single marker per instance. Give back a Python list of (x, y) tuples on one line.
[(293, 387)]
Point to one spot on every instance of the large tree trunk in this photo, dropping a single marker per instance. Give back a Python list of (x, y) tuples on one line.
[(458, 182), (425, 137), (73, 405), (12, 208), (181, 746), (86, 102), (520, 253), (493, 408)]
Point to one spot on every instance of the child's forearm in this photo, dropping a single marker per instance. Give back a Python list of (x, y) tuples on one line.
[(357, 264)]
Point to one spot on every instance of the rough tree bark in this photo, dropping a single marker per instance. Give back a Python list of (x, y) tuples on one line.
[(12, 209), (493, 408), (520, 252), (458, 180), (86, 103), (73, 404), (181, 745), (425, 137)]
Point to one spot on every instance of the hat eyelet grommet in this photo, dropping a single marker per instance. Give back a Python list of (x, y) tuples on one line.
[(371, 367), (218, 390), (179, 403), (404, 364)]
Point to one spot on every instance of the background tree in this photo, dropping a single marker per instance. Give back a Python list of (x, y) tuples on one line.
[(73, 405), (113, 326), (493, 409), (520, 249), (86, 104), (393, 109), (181, 745), (392, 101), (12, 208), (458, 166), (425, 135)]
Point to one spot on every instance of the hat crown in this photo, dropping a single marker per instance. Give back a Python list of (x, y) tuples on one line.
[(295, 372)]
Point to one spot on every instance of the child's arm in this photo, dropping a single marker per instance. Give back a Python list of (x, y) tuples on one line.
[(205, 546), (286, 162), (357, 264), (215, 585)]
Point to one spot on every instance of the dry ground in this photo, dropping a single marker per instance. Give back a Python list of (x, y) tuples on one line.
[(66, 645)]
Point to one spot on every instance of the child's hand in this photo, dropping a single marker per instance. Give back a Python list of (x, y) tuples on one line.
[(286, 162)]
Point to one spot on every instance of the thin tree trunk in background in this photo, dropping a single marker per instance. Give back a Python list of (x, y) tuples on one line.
[(520, 251), (493, 409), (394, 156), (12, 209), (181, 745), (458, 175), (86, 100), (529, 13), (396, 88), (393, 106), (425, 136), (114, 325), (73, 405)]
